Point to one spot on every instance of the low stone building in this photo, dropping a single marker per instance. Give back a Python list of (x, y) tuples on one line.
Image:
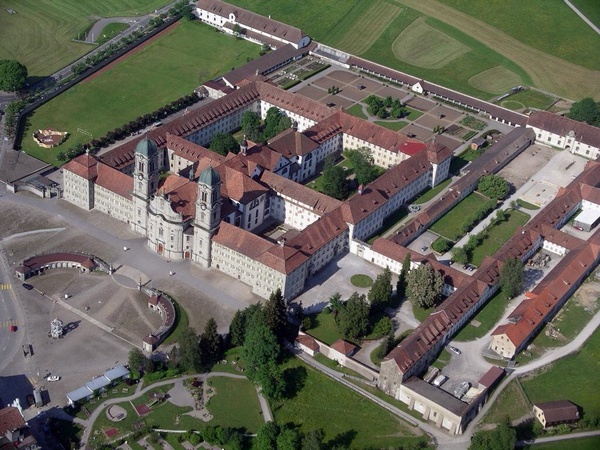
[(555, 413)]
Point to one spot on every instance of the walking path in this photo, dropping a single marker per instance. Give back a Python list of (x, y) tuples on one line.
[(89, 422), (582, 16), (562, 437)]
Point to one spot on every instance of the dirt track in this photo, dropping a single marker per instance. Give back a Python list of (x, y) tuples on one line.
[(548, 72)]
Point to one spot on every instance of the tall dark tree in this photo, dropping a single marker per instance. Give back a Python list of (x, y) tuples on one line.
[(424, 286), (189, 350), (275, 122), (313, 440), (459, 254), (585, 110), (271, 380), (288, 439), (260, 350), (211, 343), (251, 126), (275, 311), (334, 180), (223, 143), (12, 75), (353, 319), (136, 359), (266, 437), (512, 276), (380, 294), (503, 437), (406, 265), (237, 329), (364, 169)]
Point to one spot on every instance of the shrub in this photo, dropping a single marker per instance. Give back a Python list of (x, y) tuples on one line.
[(441, 245)]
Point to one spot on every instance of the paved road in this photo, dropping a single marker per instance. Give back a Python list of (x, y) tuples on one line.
[(582, 16), (562, 437)]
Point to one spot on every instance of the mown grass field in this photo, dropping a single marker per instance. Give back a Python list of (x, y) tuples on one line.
[(510, 402), (531, 98), (110, 31), (573, 377), (589, 8), (348, 419), (552, 28), (422, 45), (455, 218), (236, 404), (190, 54), (496, 80), (487, 318), (40, 34)]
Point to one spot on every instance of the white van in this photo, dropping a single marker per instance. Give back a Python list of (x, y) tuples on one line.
[(440, 380)]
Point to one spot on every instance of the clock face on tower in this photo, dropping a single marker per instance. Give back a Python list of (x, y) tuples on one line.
[(140, 176), (202, 206)]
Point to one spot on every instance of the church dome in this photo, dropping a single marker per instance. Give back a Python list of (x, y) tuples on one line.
[(209, 176), (146, 147)]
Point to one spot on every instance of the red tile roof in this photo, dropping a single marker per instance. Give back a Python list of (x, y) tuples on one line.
[(290, 143), (562, 126), (558, 411), (84, 166), (241, 240), (492, 377), (39, 261), (308, 342), (115, 181), (10, 420), (344, 347), (182, 193)]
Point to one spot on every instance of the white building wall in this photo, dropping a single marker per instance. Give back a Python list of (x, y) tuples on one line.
[(575, 146), (303, 122), (78, 190), (381, 156), (121, 208), (165, 230)]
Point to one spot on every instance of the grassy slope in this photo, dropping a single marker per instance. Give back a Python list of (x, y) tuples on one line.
[(40, 34), (574, 377), (346, 417), (236, 404), (190, 54), (589, 443), (577, 42)]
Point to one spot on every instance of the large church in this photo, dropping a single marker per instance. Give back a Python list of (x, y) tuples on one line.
[(221, 211)]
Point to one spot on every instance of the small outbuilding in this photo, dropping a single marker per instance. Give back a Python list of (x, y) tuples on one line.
[(307, 344), (555, 413), (344, 347), (477, 143), (491, 378)]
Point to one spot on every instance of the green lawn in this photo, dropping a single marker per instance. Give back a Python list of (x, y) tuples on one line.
[(589, 8), (181, 323), (442, 360), (40, 34), (110, 31), (388, 223), (361, 280), (510, 402), (335, 366), (497, 235), (348, 419), (395, 125), (574, 377), (430, 193), (190, 54), (588, 443), (357, 111), (573, 40), (420, 313), (454, 219), (527, 205), (324, 328), (531, 98), (235, 405), (317, 18), (487, 317)]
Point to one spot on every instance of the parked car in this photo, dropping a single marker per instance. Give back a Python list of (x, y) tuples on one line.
[(30, 400), (424, 248), (13, 328), (454, 350), (361, 87), (27, 286), (53, 378), (440, 380)]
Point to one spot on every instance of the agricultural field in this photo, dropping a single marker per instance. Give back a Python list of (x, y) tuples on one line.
[(496, 80), (41, 33), (348, 419), (190, 53), (529, 98)]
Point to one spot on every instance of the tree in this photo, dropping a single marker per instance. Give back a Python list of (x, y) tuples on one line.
[(459, 255), (266, 437), (12, 75), (136, 359), (223, 143), (313, 440), (511, 277), (189, 350), (335, 302), (353, 319), (424, 285), (271, 379), (380, 294), (585, 110), (211, 343), (260, 349), (503, 437), (237, 30), (237, 329), (251, 126), (264, 49), (364, 169), (386, 346), (288, 439), (334, 180), (493, 186), (275, 122), (276, 314)]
